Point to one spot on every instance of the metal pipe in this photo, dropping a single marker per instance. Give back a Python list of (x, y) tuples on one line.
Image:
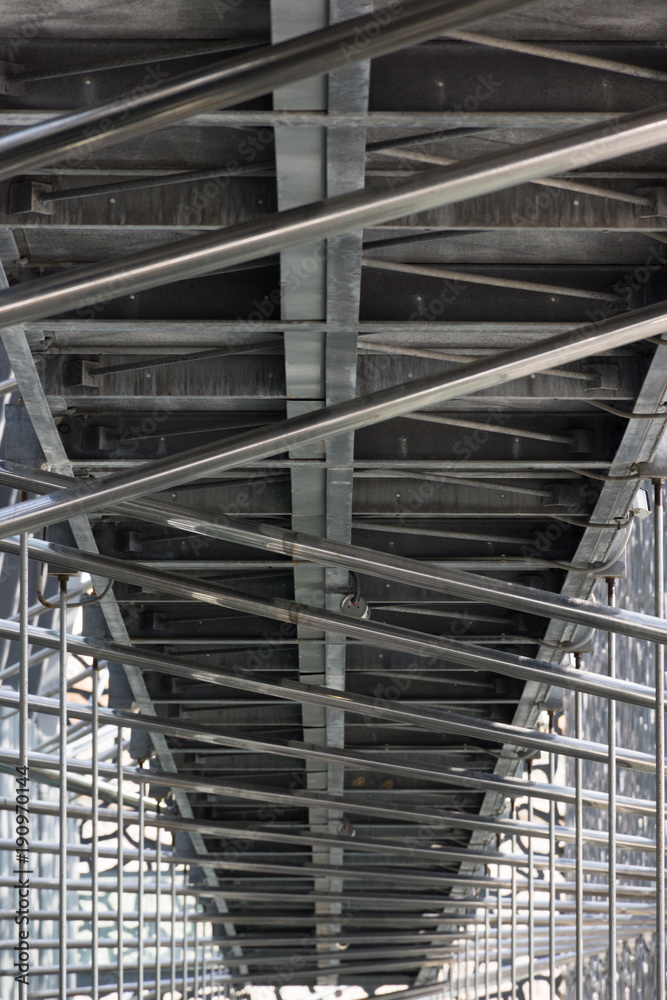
[(237, 79), (468, 655), (158, 903), (23, 769), (120, 860), (438, 271), (531, 904), (611, 815), (433, 719), (388, 762), (579, 849), (499, 947), (172, 871), (61, 711), (94, 870), (272, 233), (435, 820), (561, 55), (297, 545), (140, 893), (659, 568)]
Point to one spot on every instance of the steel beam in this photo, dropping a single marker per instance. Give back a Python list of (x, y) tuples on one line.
[(389, 762), (239, 79), (434, 821), (279, 231), (208, 460), (467, 655), (298, 545)]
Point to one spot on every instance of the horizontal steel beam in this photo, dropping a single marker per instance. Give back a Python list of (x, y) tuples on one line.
[(297, 545), (275, 232), (238, 79), (207, 460)]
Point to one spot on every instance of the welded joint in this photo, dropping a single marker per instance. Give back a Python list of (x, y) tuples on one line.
[(604, 376), (658, 207), (559, 494), (79, 372), (30, 196)]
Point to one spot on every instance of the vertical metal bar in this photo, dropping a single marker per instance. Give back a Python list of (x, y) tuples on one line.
[(119, 920), (95, 834), (476, 973), (203, 968), (467, 961), (552, 871), (499, 945), (186, 943), (659, 535), (487, 951), (611, 817), (514, 905), (140, 896), (196, 991), (173, 928), (158, 922), (24, 604), (531, 899), (579, 847), (62, 852)]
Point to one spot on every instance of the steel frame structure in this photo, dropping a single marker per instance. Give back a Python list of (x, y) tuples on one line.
[(332, 801)]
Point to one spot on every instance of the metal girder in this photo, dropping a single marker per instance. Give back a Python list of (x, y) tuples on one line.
[(331, 420), (443, 722), (239, 79), (391, 763), (468, 655), (332, 217)]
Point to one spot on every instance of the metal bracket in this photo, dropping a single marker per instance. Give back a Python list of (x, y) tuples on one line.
[(658, 208), (605, 377), (28, 196), (560, 494), (79, 372)]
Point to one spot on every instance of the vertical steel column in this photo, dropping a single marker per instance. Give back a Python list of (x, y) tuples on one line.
[(499, 945), (531, 898), (158, 922), (95, 762), (611, 776), (579, 846), (62, 784), (659, 536), (552, 870), (119, 907), (140, 897), (184, 925), (467, 967), (24, 604)]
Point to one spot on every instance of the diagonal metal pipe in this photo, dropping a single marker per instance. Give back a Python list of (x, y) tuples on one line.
[(208, 460), (466, 655), (237, 79), (388, 762), (433, 720), (297, 545), (434, 820), (278, 231)]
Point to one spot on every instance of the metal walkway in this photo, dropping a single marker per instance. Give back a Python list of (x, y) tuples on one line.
[(333, 412)]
